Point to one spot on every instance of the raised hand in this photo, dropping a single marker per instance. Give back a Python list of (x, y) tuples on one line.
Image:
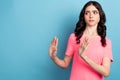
[(53, 48), (83, 47)]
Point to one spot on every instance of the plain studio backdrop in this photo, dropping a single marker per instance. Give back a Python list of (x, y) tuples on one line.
[(28, 26)]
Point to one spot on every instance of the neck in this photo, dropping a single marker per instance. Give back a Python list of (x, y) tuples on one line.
[(91, 31)]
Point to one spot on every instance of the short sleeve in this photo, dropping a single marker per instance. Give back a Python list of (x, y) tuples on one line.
[(70, 45), (108, 50)]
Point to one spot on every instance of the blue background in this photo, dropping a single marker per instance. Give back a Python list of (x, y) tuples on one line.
[(28, 26)]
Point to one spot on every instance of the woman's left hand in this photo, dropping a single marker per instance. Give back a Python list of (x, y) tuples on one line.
[(83, 47)]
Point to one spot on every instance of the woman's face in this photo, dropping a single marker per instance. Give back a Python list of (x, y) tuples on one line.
[(91, 16)]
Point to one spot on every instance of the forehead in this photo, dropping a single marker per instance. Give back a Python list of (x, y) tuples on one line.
[(91, 8)]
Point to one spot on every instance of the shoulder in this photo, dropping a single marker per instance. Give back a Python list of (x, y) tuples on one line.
[(72, 37), (72, 34), (108, 40)]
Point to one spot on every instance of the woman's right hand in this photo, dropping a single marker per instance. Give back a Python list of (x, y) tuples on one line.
[(53, 48)]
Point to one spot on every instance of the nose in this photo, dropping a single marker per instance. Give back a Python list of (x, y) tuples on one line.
[(91, 15)]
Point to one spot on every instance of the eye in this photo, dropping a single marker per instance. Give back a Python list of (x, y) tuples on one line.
[(87, 12), (95, 12)]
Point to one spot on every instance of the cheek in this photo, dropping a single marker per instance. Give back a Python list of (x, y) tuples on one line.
[(98, 19), (86, 18)]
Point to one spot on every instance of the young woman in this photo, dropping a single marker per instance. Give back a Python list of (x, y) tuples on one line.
[(88, 46)]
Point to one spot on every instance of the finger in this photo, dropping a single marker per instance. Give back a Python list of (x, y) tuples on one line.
[(86, 39), (56, 42), (85, 43), (55, 39), (81, 45)]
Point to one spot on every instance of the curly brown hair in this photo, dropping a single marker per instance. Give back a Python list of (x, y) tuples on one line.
[(81, 25)]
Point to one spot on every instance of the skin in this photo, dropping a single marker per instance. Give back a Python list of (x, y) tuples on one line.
[(92, 18)]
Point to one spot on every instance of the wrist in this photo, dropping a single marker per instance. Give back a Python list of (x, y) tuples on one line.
[(53, 57), (84, 57)]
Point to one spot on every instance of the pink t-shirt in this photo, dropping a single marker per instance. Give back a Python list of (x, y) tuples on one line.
[(95, 51)]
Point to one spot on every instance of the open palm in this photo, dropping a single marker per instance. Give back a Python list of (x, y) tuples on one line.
[(53, 47)]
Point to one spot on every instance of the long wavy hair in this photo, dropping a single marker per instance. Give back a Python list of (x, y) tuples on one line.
[(81, 25)]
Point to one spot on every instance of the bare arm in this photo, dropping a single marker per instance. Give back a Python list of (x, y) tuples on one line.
[(63, 63), (103, 69)]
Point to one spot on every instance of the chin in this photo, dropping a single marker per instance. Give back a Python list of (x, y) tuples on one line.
[(92, 24)]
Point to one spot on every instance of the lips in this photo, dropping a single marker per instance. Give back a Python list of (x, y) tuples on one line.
[(91, 20)]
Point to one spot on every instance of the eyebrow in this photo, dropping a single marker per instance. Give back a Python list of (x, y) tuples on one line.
[(92, 10)]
